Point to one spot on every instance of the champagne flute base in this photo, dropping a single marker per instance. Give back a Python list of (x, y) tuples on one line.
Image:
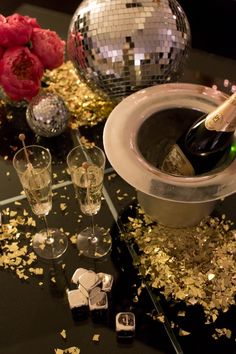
[(94, 242), (50, 244)]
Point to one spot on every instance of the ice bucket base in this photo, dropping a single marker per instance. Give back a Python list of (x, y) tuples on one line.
[(174, 214)]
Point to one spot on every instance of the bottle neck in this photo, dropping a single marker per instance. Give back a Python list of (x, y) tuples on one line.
[(223, 119)]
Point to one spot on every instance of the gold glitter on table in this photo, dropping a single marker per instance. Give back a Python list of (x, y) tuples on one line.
[(87, 106), (196, 265)]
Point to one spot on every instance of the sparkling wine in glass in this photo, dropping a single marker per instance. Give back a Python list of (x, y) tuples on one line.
[(86, 167), (33, 166)]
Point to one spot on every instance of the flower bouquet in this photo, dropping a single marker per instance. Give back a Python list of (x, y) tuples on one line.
[(26, 51)]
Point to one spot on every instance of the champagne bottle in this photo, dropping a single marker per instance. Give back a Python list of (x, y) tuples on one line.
[(205, 144)]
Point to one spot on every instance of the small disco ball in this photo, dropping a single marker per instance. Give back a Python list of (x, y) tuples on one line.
[(122, 46), (47, 115)]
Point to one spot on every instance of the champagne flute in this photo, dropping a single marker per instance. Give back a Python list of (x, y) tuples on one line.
[(33, 166), (86, 167)]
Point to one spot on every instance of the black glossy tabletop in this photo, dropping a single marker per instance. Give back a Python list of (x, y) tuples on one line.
[(35, 311)]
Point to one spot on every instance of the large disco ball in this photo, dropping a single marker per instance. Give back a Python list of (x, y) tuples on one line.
[(122, 46)]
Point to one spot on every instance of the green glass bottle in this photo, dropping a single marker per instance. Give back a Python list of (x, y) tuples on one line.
[(205, 144)]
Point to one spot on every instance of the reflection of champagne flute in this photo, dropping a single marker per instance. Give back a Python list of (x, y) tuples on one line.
[(33, 166), (86, 167)]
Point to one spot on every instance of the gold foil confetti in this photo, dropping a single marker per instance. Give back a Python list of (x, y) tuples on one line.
[(219, 332), (87, 107), (96, 338), (196, 265), (73, 239), (37, 271), (63, 206), (70, 350), (183, 333), (63, 334), (15, 255), (59, 351)]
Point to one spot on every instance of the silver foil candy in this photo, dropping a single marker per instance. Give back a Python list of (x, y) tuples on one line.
[(125, 324), (78, 272), (76, 299), (107, 281), (122, 46), (86, 279), (98, 299)]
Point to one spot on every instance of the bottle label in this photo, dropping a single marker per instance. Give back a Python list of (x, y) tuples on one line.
[(224, 118), (176, 163)]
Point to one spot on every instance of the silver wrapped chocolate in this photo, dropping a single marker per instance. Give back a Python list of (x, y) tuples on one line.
[(76, 299), (78, 304), (123, 46), (88, 280), (47, 115), (107, 281), (125, 324), (76, 275), (98, 300)]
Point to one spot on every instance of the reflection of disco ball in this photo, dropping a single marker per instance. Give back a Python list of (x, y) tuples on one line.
[(47, 115), (123, 46)]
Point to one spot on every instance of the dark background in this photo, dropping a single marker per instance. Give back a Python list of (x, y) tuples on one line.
[(212, 22)]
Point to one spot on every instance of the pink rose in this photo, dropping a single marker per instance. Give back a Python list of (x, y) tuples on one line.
[(48, 47), (14, 30), (20, 73)]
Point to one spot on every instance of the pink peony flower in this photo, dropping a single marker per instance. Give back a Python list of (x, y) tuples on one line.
[(48, 46), (32, 21), (20, 73), (1, 52), (14, 30)]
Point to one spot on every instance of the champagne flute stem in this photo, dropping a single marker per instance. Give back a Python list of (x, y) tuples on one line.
[(49, 238), (93, 230)]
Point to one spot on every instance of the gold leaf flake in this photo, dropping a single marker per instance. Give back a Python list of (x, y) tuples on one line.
[(201, 270), (59, 351), (37, 271), (96, 337), (63, 206), (160, 318), (210, 276), (184, 333), (63, 333), (73, 239), (87, 107), (72, 350)]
